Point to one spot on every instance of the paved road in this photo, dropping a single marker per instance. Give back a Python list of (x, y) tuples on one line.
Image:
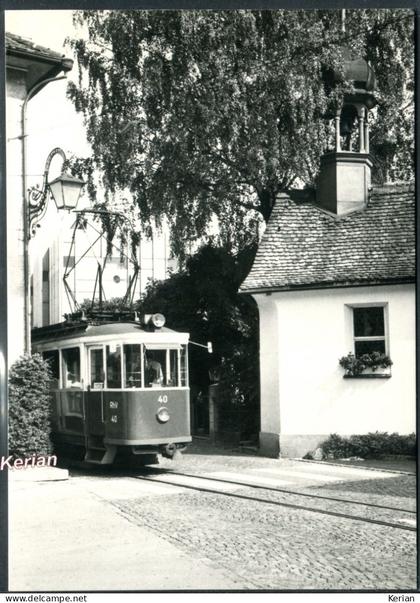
[(222, 542)]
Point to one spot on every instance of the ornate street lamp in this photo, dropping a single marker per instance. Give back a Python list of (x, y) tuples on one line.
[(65, 190)]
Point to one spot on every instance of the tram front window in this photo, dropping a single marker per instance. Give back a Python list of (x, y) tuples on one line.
[(155, 368), (183, 365), (132, 365), (173, 368), (71, 367), (161, 366), (147, 365)]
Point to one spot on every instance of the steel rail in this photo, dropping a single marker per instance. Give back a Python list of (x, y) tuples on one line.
[(283, 504), (285, 491)]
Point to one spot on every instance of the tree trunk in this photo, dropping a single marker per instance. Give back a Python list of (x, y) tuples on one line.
[(267, 199)]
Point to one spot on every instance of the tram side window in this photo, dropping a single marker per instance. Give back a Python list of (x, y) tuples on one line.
[(53, 359), (113, 366), (71, 367), (132, 365)]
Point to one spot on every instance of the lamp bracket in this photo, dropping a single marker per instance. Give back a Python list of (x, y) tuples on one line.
[(37, 197)]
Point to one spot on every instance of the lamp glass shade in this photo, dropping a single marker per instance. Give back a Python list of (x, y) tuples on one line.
[(65, 191)]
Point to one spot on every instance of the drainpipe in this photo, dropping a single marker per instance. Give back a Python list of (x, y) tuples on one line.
[(27, 304)]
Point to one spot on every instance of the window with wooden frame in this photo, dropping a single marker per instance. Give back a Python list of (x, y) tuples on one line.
[(370, 330)]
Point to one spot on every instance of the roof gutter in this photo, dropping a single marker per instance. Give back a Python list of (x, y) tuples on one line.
[(328, 285)]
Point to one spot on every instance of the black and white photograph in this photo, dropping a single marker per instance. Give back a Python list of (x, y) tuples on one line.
[(208, 301)]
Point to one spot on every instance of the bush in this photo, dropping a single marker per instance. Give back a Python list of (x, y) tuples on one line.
[(370, 445), (29, 407), (336, 447)]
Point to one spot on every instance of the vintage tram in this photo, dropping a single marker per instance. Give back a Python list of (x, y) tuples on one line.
[(120, 388)]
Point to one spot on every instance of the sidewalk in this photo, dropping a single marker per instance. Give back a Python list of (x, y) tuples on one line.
[(63, 538)]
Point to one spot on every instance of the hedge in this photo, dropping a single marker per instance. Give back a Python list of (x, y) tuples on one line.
[(370, 445), (29, 407)]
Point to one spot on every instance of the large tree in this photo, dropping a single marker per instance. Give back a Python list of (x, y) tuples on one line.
[(203, 299), (198, 114)]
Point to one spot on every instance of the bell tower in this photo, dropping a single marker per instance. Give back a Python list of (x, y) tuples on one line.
[(344, 178)]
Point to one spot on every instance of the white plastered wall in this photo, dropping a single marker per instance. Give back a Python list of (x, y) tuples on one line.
[(303, 334)]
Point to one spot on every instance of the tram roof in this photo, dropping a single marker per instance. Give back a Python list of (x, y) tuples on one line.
[(83, 329)]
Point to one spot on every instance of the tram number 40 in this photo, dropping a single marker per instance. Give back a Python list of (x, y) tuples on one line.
[(163, 399)]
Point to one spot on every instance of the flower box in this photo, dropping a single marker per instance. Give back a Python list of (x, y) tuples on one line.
[(373, 365)]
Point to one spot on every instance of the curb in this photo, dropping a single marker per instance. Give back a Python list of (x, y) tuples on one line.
[(356, 467), (38, 474)]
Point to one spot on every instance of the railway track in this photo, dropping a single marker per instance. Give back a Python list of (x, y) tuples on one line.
[(204, 484)]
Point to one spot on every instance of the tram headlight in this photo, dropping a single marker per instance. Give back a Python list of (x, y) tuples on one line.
[(158, 320), (154, 321), (163, 415)]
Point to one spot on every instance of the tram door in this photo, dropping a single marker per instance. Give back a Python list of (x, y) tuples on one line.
[(94, 402)]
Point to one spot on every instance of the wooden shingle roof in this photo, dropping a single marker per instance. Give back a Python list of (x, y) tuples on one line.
[(305, 247), (38, 63), (17, 44)]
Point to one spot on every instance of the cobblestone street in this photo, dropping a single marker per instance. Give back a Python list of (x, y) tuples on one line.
[(216, 520), (267, 546), (281, 549)]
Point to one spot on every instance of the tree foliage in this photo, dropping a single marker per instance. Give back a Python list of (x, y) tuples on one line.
[(211, 113), (203, 300)]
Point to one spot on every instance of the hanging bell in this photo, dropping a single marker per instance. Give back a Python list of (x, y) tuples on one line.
[(347, 118)]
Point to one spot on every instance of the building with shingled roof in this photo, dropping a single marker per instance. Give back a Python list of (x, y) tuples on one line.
[(334, 278)]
